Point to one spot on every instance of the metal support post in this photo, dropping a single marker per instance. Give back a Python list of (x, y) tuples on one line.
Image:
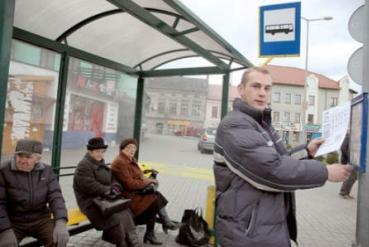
[(225, 95), (6, 33), (138, 111), (362, 221), (59, 111)]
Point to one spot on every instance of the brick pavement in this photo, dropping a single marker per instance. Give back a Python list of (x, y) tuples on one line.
[(324, 219)]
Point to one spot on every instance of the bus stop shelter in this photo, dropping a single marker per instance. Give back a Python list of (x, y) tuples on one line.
[(136, 38)]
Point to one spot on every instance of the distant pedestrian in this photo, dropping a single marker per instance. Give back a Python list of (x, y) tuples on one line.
[(345, 159)]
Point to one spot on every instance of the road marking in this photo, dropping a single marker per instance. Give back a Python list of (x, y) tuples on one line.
[(181, 171)]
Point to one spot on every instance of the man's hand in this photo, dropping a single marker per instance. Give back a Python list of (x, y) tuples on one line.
[(60, 234), (8, 238), (338, 172), (313, 146)]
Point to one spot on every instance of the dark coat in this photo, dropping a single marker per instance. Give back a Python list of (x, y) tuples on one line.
[(129, 174), (93, 179), (255, 178), (29, 196)]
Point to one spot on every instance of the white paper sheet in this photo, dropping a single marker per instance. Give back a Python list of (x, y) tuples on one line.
[(335, 122)]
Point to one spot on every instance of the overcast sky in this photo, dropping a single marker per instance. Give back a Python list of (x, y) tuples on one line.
[(330, 44)]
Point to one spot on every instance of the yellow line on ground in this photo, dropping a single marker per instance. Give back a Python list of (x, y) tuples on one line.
[(181, 171)]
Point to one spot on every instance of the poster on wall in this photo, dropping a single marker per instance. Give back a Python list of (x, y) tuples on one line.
[(111, 123), (20, 100)]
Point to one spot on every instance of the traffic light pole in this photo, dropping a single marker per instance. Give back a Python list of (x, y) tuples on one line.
[(362, 222)]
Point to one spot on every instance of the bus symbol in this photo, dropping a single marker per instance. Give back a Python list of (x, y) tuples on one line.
[(279, 28)]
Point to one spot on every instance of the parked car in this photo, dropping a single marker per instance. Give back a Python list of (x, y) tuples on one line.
[(207, 140)]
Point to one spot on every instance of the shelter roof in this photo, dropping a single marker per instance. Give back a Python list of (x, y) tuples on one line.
[(141, 34)]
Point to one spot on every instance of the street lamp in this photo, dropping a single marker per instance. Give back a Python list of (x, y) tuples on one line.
[(305, 102)]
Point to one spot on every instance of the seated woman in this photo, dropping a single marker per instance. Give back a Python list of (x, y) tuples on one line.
[(93, 178), (144, 207)]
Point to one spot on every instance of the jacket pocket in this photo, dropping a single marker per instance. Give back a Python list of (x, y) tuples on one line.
[(249, 219)]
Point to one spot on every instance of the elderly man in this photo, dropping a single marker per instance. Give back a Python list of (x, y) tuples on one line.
[(254, 174), (29, 191)]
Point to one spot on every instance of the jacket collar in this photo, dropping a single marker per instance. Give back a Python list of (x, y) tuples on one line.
[(125, 157), (95, 162), (259, 116)]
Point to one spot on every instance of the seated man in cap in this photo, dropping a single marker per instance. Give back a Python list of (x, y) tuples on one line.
[(29, 193)]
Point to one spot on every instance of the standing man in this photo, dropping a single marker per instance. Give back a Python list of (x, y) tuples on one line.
[(29, 193), (254, 174)]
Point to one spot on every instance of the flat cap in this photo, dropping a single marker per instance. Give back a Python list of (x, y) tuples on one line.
[(28, 146)]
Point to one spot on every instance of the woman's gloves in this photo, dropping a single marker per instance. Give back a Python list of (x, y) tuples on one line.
[(115, 191), (60, 233)]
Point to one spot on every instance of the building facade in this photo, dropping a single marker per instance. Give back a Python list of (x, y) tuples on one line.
[(288, 104), (175, 105)]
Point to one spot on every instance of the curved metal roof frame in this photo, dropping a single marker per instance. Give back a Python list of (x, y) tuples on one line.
[(146, 14)]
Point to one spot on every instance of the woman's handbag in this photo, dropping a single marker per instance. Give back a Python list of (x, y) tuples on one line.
[(110, 206), (194, 230)]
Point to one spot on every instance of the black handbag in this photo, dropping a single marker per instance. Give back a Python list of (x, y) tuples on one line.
[(110, 206), (194, 230)]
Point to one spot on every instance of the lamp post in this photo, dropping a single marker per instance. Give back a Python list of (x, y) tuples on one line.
[(305, 98)]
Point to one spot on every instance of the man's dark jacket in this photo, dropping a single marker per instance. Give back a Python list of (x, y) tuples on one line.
[(255, 178), (29, 196)]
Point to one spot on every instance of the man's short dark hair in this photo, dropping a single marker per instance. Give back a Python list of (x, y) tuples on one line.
[(245, 75)]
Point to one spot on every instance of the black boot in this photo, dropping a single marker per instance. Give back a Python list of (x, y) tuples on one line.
[(166, 222), (132, 239), (150, 234)]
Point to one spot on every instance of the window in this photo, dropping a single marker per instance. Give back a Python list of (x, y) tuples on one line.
[(276, 97), (311, 100), (311, 118), (173, 108), (288, 98), (196, 106), (184, 108), (297, 117), (214, 112), (298, 99), (334, 101), (276, 116), (287, 117), (161, 106)]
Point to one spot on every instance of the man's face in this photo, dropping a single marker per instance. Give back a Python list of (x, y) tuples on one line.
[(26, 162), (256, 91), (97, 154)]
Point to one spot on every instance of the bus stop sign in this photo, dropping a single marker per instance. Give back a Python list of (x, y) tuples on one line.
[(279, 31)]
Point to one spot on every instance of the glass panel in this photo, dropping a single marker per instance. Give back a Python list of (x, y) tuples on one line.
[(31, 97), (206, 42), (56, 16), (99, 102), (126, 43)]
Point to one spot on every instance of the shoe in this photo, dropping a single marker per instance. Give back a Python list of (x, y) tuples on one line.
[(132, 239), (171, 225), (151, 238), (347, 196), (166, 222)]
